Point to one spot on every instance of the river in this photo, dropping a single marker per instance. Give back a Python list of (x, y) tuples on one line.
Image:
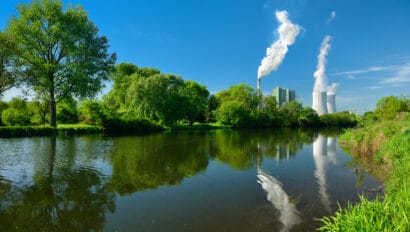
[(221, 180)]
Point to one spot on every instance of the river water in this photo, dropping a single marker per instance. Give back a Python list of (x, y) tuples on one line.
[(222, 180)]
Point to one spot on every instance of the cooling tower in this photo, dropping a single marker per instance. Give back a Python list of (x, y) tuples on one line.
[(319, 102), (331, 103)]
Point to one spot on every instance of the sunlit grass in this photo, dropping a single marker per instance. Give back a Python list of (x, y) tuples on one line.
[(387, 144)]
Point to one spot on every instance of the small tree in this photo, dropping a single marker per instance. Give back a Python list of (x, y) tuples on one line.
[(60, 51)]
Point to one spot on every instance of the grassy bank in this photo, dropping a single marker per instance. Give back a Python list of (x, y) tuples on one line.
[(385, 145), (27, 131)]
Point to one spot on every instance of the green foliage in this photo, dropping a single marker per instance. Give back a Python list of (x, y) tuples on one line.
[(38, 112), (195, 101), (75, 129), (8, 52), (129, 126), (60, 51), (14, 117), (67, 111), (308, 118), (147, 93), (342, 119), (16, 113), (238, 106), (291, 113), (388, 107), (91, 112), (23, 131), (387, 144)]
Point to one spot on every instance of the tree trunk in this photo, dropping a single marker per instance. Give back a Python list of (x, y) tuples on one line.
[(53, 116)]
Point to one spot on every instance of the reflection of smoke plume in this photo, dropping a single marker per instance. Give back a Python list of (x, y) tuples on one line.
[(277, 51), (320, 73), (319, 155), (331, 89), (280, 200)]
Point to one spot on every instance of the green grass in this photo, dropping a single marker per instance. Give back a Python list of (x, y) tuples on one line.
[(386, 144), (66, 129), (197, 126), (23, 131), (75, 129)]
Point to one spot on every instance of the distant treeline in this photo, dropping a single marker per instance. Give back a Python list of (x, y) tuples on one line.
[(145, 98)]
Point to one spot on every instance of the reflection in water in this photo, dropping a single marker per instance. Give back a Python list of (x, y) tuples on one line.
[(58, 199), (79, 183), (280, 200), (151, 161), (331, 150), (324, 150)]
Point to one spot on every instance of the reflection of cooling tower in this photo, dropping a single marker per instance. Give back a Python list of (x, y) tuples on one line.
[(319, 155), (331, 103), (319, 102), (331, 150), (320, 146)]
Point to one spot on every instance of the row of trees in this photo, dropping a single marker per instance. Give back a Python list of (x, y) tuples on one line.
[(148, 94)]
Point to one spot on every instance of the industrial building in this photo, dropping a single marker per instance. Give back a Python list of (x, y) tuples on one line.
[(283, 95)]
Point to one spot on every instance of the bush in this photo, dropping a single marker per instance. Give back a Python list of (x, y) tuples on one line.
[(91, 112), (127, 126), (342, 119), (14, 117)]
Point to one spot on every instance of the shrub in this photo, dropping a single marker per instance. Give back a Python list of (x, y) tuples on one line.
[(13, 117)]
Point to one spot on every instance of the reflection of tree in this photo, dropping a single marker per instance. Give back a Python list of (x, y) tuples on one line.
[(241, 149), (65, 199), (147, 162)]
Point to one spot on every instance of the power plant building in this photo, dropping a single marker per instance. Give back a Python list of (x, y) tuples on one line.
[(283, 95)]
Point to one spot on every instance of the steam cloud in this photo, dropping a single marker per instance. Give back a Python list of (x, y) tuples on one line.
[(320, 73), (331, 17), (331, 89), (277, 51)]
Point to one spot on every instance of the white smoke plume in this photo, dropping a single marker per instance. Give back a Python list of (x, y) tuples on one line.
[(331, 89), (331, 17), (320, 73), (277, 51)]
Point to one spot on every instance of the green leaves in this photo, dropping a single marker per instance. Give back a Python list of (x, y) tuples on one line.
[(61, 52)]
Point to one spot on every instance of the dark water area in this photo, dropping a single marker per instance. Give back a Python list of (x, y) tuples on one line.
[(247, 180)]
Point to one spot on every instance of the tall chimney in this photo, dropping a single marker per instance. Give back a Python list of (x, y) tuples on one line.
[(259, 86)]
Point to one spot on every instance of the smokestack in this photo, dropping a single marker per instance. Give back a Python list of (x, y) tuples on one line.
[(259, 85), (331, 103), (320, 102)]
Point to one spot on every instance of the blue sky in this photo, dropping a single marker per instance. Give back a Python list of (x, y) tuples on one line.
[(219, 43)]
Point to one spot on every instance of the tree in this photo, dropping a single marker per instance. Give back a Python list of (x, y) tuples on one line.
[(195, 101), (60, 51), (388, 107), (8, 52), (238, 106), (291, 113)]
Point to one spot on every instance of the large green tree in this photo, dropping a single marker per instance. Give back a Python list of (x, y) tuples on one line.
[(60, 51), (8, 52)]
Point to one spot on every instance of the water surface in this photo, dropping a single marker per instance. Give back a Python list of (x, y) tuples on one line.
[(264, 180)]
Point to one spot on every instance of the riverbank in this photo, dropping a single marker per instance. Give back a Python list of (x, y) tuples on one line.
[(67, 129), (385, 146)]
